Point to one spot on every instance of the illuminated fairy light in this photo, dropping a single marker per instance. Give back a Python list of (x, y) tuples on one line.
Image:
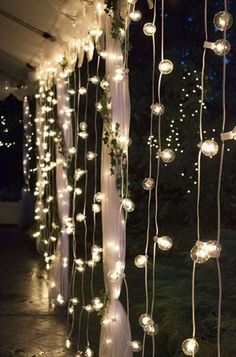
[(203, 251)]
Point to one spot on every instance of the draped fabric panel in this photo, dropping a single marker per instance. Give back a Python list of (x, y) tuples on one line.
[(59, 272), (115, 334)]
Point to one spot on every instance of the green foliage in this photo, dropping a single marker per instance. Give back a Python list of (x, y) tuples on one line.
[(111, 140)]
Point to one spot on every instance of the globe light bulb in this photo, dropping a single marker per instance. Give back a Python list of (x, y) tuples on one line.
[(83, 126), (135, 15), (149, 29), (94, 80), (78, 191), (223, 20), (166, 66), (190, 347), (80, 217), (144, 320), (96, 208), (148, 183), (72, 150), (68, 343), (157, 109), (128, 205), (141, 261), (91, 155), (199, 253), (167, 155), (98, 197), (96, 249), (136, 346), (83, 134), (209, 148), (221, 47), (151, 329), (91, 263), (104, 84), (82, 90), (164, 243), (88, 308), (97, 304), (89, 352), (214, 248)]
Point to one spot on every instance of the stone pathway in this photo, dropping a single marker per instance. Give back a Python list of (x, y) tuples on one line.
[(27, 326)]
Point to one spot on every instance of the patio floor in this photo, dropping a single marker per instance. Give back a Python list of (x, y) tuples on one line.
[(27, 326)]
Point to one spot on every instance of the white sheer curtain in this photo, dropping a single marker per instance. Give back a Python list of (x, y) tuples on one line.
[(59, 283), (115, 332), (59, 272)]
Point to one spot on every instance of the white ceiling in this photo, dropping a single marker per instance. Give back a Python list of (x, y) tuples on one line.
[(20, 45)]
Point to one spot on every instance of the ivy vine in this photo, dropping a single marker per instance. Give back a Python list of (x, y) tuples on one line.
[(116, 151)]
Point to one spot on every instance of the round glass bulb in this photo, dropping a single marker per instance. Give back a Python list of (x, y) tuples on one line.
[(136, 346), (98, 197), (166, 66), (167, 155), (164, 243), (140, 261), (214, 248), (144, 320), (151, 329), (157, 109), (221, 47), (128, 205), (97, 304), (96, 208), (104, 84), (80, 217), (223, 20), (83, 134), (135, 15), (199, 253), (89, 352), (90, 155), (148, 183), (82, 90), (190, 347), (83, 126), (209, 148), (149, 29)]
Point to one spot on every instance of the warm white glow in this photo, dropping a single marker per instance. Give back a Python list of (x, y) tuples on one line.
[(128, 205), (167, 155), (157, 109), (149, 29), (164, 243), (90, 155), (209, 148), (141, 261), (190, 347), (135, 15), (166, 66), (199, 253), (148, 183), (223, 20)]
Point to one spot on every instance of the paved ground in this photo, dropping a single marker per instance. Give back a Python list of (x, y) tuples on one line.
[(27, 327)]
